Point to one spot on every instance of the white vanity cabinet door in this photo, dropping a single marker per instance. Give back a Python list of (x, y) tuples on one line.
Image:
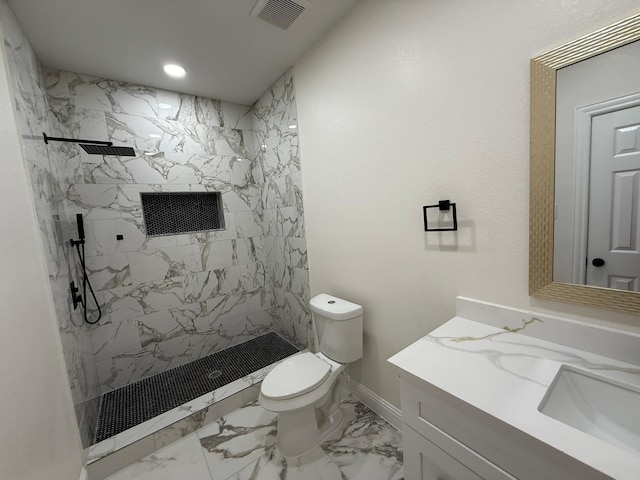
[(491, 449), (425, 461)]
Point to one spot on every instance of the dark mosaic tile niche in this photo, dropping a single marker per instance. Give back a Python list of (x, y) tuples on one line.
[(171, 213)]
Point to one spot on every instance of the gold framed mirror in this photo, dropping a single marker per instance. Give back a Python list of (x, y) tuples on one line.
[(544, 70)]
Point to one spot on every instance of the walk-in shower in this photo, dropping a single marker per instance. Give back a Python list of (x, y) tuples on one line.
[(189, 303)]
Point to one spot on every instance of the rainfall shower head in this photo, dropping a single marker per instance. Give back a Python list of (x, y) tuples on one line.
[(95, 147)]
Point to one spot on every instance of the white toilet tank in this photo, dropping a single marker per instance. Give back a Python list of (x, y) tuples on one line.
[(339, 326)]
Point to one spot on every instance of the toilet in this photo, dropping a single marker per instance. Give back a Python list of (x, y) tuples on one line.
[(304, 389)]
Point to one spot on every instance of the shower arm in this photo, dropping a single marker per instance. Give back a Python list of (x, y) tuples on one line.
[(47, 138)]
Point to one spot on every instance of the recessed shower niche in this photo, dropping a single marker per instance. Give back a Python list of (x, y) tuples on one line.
[(172, 213)]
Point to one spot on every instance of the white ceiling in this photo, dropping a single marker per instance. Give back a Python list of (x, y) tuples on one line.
[(228, 54)]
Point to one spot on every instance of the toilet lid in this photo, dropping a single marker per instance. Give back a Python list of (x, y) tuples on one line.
[(295, 376)]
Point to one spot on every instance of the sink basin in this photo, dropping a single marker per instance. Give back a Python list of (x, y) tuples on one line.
[(601, 407)]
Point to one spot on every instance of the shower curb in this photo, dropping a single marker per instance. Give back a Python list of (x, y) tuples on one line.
[(109, 464), (126, 448)]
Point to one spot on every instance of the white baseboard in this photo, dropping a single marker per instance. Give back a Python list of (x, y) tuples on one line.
[(375, 402), (83, 474)]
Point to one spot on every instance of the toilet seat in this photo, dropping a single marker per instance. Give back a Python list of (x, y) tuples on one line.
[(295, 377)]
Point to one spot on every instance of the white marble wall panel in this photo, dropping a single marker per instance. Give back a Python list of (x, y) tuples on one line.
[(217, 255), (292, 221), (275, 127), (191, 110), (94, 202), (108, 271), (185, 294), (166, 262), (93, 93), (229, 233), (248, 224), (113, 339)]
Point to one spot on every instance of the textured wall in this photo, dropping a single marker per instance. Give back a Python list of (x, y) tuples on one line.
[(276, 132), (406, 103), (39, 438)]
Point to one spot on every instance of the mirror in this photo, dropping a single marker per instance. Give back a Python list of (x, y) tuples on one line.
[(581, 235)]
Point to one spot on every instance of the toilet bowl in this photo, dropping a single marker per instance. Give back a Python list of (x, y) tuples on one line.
[(304, 389), (294, 390)]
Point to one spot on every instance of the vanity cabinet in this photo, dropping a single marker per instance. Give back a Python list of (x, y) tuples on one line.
[(445, 438), (424, 460)]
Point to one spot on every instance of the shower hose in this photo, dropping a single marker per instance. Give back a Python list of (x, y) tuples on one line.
[(85, 283)]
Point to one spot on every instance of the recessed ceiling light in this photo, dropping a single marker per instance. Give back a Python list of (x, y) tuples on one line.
[(175, 71), (165, 106)]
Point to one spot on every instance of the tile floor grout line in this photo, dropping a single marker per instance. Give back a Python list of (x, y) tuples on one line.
[(204, 457)]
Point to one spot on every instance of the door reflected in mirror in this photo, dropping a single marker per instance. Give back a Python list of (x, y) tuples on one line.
[(597, 171)]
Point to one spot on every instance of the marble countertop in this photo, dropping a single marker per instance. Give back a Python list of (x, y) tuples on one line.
[(478, 362)]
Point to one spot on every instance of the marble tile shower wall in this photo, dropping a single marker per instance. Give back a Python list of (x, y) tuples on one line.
[(275, 126), (172, 299), (48, 181)]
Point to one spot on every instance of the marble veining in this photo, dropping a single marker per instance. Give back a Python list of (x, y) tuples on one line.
[(525, 323), (165, 300), (505, 371), (191, 294), (275, 128), (240, 446), (181, 417)]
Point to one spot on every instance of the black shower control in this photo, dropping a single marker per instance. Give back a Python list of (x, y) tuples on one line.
[(75, 296), (119, 237), (80, 223)]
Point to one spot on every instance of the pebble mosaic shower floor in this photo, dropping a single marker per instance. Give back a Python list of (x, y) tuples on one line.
[(138, 402)]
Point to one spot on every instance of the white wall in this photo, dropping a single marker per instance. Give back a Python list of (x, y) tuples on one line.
[(406, 103), (39, 438)]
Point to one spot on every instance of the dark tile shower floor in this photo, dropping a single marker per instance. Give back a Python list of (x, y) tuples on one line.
[(138, 402)]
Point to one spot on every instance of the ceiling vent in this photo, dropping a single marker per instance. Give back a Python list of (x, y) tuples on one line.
[(280, 13)]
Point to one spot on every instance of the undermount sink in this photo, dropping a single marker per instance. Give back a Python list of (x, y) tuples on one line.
[(599, 406)]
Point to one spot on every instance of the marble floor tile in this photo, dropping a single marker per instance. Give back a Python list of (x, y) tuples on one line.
[(238, 439), (241, 446), (315, 465), (366, 447), (183, 459)]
